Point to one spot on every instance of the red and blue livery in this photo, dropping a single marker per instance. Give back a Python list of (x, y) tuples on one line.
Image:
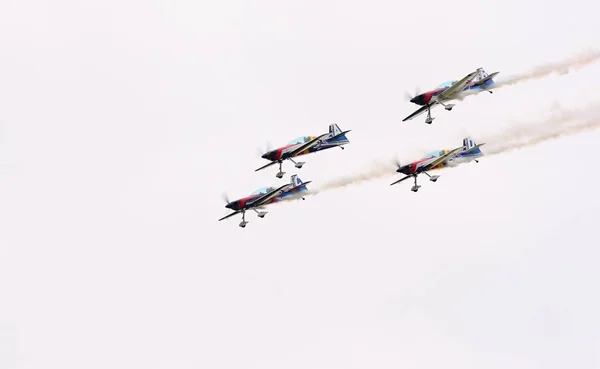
[(439, 159), (305, 145), (265, 196), (474, 82)]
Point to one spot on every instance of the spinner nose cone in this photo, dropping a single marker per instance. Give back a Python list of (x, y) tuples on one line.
[(419, 99), (403, 169), (269, 155), (230, 205)]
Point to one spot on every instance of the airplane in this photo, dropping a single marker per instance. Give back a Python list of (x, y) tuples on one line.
[(439, 159), (265, 196), (305, 145), (470, 152), (473, 82)]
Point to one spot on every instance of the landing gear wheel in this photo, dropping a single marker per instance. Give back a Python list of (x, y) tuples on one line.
[(281, 172), (243, 222)]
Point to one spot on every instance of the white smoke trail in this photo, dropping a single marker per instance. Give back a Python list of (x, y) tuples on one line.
[(565, 122), (375, 170), (541, 71), (562, 123)]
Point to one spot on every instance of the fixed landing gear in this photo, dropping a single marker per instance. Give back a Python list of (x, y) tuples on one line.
[(281, 173), (298, 165), (432, 178), (416, 187), (261, 214), (429, 119), (243, 222), (447, 106)]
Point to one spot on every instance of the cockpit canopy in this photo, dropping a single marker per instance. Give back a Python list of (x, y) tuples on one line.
[(299, 140), (434, 154), (262, 191), (446, 84)]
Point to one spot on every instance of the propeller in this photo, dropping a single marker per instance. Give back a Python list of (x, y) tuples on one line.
[(268, 147), (409, 97), (225, 198)]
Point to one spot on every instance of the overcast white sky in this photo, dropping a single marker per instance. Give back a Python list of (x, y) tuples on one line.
[(122, 122)]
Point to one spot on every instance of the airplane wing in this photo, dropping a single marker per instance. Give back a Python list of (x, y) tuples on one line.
[(440, 159), (264, 166), (268, 196), (420, 111), (230, 215), (307, 145), (457, 87), (400, 180)]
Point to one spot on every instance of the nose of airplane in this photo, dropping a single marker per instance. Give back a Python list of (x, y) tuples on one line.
[(414, 99), (403, 169), (230, 205), (265, 155)]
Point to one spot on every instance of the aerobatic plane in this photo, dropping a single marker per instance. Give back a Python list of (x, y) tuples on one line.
[(305, 145), (470, 152), (264, 196), (439, 159), (473, 82)]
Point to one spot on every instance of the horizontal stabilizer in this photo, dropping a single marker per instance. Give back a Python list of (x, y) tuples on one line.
[(484, 80), (473, 148), (338, 135)]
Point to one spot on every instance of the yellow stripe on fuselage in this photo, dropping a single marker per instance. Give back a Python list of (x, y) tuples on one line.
[(442, 164), (307, 151)]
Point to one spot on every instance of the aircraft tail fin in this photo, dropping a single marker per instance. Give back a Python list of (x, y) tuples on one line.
[(296, 189), (484, 79), (334, 130), (469, 147), (337, 135), (297, 182)]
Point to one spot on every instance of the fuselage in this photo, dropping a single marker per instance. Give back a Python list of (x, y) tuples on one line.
[(245, 202), (425, 98), (417, 166), (283, 152), (414, 167), (462, 157)]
